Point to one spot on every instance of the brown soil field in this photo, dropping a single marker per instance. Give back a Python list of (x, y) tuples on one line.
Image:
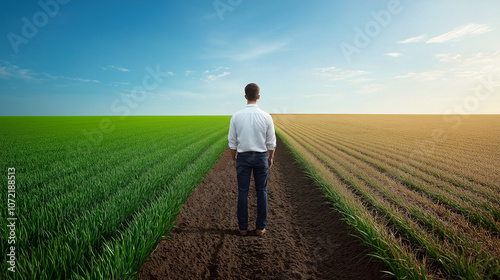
[(425, 188), (306, 238)]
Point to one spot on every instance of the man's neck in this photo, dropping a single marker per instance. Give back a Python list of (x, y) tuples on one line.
[(251, 102)]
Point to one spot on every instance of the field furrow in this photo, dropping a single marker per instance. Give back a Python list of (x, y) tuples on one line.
[(435, 165), (462, 200), (398, 194), (372, 229), (469, 191), (126, 254), (422, 155), (429, 206)]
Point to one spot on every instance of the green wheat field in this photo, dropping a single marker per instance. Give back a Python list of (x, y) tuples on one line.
[(94, 195)]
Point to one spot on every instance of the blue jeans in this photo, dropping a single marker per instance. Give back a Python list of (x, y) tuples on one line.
[(245, 163)]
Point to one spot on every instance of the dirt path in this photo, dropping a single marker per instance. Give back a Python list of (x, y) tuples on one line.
[(305, 238)]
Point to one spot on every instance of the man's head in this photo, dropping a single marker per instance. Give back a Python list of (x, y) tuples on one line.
[(252, 92)]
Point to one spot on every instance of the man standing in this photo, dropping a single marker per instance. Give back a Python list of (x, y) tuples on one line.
[(252, 141)]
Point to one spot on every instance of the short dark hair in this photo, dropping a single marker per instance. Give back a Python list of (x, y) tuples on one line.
[(252, 91)]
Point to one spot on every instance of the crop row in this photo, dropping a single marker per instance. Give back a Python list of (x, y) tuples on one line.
[(463, 198), (457, 160), (451, 226), (104, 209)]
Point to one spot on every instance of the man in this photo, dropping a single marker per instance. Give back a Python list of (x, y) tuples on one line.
[(252, 141)]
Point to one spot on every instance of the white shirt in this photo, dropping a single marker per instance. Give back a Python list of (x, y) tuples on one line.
[(251, 130)]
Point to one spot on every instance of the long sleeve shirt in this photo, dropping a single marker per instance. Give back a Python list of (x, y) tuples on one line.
[(251, 130)]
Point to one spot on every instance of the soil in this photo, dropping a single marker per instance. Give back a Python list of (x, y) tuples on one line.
[(305, 238)]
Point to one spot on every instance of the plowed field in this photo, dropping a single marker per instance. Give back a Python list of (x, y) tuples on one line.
[(422, 190)]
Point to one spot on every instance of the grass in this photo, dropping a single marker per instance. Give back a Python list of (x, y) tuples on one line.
[(427, 205), (94, 195)]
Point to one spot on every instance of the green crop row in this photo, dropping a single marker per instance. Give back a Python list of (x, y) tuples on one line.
[(93, 204)]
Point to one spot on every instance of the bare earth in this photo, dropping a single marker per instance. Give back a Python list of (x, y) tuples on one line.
[(305, 238)]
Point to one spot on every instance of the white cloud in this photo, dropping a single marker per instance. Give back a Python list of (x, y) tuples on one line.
[(446, 57), (460, 32), (9, 70), (50, 76), (423, 76), (215, 77), (4, 73), (215, 70), (336, 74), (460, 66), (214, 74), (473, 66), (393, 54), (413, 39), (112, 67)]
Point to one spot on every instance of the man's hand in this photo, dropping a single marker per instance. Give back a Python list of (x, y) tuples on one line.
[(233, 156), (270, 157)]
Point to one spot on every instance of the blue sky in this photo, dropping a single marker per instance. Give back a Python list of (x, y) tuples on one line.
[(67, 57)]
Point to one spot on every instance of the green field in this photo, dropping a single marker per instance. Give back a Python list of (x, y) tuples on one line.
[(94, 195)]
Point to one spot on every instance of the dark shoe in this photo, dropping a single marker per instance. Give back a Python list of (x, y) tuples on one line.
[(260, 232), (243, 232)]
